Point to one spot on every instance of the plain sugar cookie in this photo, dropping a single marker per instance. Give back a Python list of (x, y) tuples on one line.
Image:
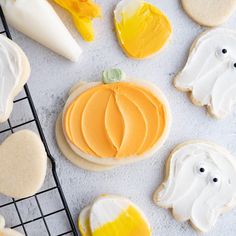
[(114, 122), (200, 183), (23, 164), (210, 71), (209, 12)]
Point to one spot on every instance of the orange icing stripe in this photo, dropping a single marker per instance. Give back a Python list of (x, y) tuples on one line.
[(115, 120)]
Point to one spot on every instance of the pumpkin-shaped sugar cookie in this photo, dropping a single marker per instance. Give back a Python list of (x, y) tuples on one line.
[(115, 122)]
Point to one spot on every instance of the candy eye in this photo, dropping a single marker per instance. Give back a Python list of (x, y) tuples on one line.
[(224, 51), (232, 65), (201, 169), (215, 178)]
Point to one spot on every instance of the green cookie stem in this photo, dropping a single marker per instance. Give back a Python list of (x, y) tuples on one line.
[(112, 76)]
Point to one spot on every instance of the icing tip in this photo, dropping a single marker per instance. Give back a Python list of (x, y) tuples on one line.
[(112, 76)]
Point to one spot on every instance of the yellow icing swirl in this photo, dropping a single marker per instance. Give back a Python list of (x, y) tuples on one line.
[(142, 31), (115, 120)]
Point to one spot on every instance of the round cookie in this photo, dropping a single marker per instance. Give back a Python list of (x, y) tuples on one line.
[(113, 123), (200, 183), (211, 12), (113, 215), (142, 29)]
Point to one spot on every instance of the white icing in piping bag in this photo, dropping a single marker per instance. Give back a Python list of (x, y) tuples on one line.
[(38, 20)]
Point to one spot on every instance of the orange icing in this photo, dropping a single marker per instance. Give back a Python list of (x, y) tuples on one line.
[(82, 11), (144, 31), (115, 120)]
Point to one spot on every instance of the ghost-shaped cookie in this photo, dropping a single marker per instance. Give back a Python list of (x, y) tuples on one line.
[(6, 231), (211, 12), (210, 72), (200, 183), (14, 73)]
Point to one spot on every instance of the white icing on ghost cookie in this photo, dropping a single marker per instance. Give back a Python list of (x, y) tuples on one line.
[(14, 72), (200, 184), (210, 72), (210, 12), (6, 231)]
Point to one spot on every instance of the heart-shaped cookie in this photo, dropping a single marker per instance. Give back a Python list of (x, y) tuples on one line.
[(211, 12), (23, 164)]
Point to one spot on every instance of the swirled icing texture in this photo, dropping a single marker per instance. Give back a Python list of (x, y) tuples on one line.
[(115, 120), (210, 72), (113, 215), (201, 184), (10, 72), (142, 29)]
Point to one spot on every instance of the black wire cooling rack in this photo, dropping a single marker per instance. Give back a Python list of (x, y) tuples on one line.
[(32, 215)]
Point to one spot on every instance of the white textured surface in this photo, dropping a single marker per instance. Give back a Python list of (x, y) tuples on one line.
[(52, 76)]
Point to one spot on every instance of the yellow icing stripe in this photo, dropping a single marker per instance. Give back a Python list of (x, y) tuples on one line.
[(115, 120), (144, 32), (128, 223)]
